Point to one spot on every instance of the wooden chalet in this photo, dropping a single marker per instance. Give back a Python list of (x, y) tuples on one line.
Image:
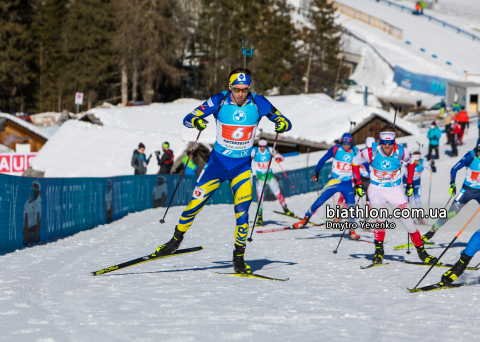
[(15, 131)]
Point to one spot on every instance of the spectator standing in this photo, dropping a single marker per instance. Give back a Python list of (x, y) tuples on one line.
[(139, 160), (166, 161), (447, 120), (456, 130), (456, 107), (433, 136), (463, 120), (422, 6), (417, 9)]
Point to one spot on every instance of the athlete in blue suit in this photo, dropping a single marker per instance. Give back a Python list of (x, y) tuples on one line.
[(237, 113), (340, 180), (470, 188)]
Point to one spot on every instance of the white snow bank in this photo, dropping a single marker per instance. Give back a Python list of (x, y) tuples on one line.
[(315, 117), (46, 119), (80, 149)]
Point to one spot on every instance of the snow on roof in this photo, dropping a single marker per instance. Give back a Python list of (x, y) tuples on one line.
[(315, 117), (25, 124), (81, 149)]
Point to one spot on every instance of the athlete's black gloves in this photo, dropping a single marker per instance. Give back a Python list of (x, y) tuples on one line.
[(280, 126), (409, 189), (315, 177), (453, 189), (359, 190), (199, 123)]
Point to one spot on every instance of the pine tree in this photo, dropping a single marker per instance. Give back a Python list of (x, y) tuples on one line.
[(265, 26), (275, 60), (48, 30), (17, 76), (148, 44), (90, 67), (322, 47)]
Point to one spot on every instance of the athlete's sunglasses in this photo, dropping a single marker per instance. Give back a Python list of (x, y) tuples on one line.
[(387, 142), (243, 90)]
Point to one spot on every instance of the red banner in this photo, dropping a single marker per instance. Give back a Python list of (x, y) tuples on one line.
[(12, 163)]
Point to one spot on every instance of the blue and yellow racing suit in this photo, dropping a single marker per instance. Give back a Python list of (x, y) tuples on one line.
[(341, 178), (230, 158)]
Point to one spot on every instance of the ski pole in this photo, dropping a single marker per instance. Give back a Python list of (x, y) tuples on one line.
[(408, 234), (336, 249), (447, 202), (430, 192), (263, 189), (162, 221), (451, 243), (285, 175)]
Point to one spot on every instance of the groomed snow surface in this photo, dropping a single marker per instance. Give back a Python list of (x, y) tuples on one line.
[(47, 293)]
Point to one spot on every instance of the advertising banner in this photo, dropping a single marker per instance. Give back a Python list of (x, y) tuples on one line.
[(36, 210)]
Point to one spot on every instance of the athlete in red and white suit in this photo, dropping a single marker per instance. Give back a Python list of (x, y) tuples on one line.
[(385, 163), (381, 194)]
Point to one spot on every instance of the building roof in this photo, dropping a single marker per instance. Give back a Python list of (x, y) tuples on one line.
[(465, 84), (26, 125)]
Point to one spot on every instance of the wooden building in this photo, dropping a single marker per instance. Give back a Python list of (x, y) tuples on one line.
[(20, 135), (370, 127)]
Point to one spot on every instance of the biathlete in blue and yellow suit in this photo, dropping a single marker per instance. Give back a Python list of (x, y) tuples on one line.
[(237, 114), (340, 180), (470, 189)]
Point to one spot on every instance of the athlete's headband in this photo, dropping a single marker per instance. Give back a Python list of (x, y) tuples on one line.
[(417, 157), (262, 142), (387, 137), (239, 79)]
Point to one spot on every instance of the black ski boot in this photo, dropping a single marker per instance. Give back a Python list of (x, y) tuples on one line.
[(259, 219), (171, 246), (378, 257), (424, 256), (456, 271), (429, 234), (239, 264), (288, 212)]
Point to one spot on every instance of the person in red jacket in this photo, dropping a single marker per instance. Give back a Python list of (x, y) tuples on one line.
[(463, 119), (456, 131)]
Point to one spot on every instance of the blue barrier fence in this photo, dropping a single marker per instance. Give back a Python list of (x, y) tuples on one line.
[(424, 83), (36, 210), (433, 19)]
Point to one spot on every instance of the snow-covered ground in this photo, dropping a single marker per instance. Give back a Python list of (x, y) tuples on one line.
[(47, 294)]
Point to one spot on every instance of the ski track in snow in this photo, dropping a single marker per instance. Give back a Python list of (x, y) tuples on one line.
[(47, 293)]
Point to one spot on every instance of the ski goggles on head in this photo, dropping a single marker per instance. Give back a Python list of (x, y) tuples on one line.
[(387, 138), (239, 78), (238, 90)]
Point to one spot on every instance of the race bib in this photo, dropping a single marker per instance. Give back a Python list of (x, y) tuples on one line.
[(237, 133), (385, 175), (341, 166)]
